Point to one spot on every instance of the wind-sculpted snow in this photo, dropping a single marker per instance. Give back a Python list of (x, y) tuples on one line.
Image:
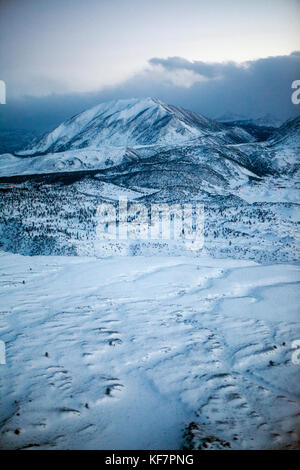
[(155, 353)]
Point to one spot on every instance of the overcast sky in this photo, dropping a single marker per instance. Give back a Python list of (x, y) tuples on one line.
[(206, 55)]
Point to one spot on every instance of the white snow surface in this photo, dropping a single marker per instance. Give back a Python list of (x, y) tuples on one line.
[(124, 353), (71, 160)]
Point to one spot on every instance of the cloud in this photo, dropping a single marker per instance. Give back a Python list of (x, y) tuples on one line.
[(203, 69), (252, 88), (262, 70)]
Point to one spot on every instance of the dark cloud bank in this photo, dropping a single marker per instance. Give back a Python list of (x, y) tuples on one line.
[(253, 88)]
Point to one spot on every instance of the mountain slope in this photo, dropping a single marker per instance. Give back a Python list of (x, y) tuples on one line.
[(288, 134), (261, 127), (283, 148)]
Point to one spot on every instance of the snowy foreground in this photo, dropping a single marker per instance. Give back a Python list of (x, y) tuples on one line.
[(147, 353)]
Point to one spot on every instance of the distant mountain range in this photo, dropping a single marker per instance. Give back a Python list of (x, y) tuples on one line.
[(12, 140), (266, 120)]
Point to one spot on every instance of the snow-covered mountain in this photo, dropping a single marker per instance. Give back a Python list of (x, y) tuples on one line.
[(123, 131), (154, 153), (267, 120), (281, 152), (130, 123), (288, 134), (283, 148), (260, 127)]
